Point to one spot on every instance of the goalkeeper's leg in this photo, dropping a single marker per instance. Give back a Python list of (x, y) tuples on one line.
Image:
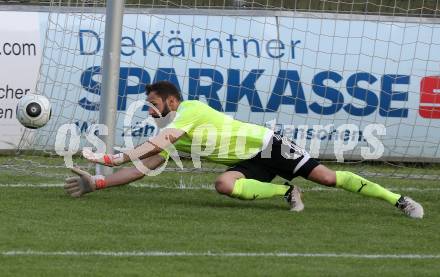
[(357, 184), (351, 182), (236, 185)]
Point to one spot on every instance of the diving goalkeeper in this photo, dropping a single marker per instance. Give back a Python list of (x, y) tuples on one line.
[(254, 154)]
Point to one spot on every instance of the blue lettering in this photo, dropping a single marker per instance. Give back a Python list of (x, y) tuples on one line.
[(193, 45), (146, 43), (287, 77), (346, 135), (149, 130), (84, 127), (236, 91), (210, 91), (81, 42), (334, 95), (231, 40), (277, 45), (219, 48), (309, 133), (130, 44), (139, 130), (292, 46), (387, 95), (91, 86), (245, 47), (167, 74), (125, 89), (179, 46), (208, 82), (368, 96)]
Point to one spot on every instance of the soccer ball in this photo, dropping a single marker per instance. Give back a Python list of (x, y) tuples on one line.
[(33, 111)]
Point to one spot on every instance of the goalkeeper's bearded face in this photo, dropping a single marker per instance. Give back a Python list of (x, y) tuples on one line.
[(159, 107)]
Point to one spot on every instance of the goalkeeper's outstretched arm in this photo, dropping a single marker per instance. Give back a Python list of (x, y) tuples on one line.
[(85, 183), (149, 148)]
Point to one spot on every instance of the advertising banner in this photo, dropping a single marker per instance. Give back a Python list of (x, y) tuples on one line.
[(321, 82), (20, 56)]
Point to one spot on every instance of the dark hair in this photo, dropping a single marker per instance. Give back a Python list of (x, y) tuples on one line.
[(164, 89)]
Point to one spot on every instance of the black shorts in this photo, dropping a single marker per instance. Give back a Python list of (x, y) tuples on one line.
[(281, 157)]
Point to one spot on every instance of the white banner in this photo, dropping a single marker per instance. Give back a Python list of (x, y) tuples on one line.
[(306, 77), (19, 63)]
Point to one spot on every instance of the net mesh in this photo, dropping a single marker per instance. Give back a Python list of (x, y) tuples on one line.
[(319, 72)]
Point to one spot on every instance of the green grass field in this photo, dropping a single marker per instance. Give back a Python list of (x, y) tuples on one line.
[(182, 227)]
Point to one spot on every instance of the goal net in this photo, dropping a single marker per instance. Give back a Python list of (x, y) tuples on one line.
[(350, 81)]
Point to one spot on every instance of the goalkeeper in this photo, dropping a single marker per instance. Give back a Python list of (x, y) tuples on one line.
[(254, 153)]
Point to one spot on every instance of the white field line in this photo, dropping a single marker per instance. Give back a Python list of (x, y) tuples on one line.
[(204, 187), (15, 253)]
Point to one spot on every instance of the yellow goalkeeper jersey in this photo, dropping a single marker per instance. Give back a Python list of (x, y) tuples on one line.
[(216, 136)]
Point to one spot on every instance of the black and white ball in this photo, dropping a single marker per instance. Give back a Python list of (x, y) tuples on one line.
[(33, 111)]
